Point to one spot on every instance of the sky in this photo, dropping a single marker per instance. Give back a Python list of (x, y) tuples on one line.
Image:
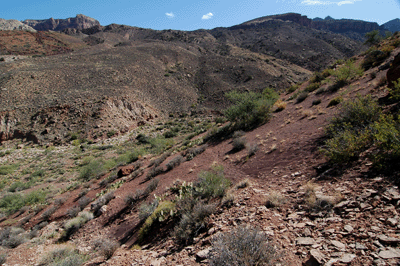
[(192, 15)]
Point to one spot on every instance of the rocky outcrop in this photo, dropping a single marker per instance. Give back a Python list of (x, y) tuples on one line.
[(13, 24), (79, 22), (393, 73)]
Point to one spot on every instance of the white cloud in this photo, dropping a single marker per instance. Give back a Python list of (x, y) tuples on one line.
[(319, 2), (170, 15), (208, 16)]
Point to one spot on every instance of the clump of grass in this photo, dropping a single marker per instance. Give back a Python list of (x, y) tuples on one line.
[(158, 161), (335, 101), (83, 202), (212, 184), (106, 247), (153, 172), (64, 256), (243, 246), (73, 225), (12, 237), (93, 169), (280, 106), (49, 212), (275, 199), (252, 148), (100, 202), (243, 184), (312, 87)]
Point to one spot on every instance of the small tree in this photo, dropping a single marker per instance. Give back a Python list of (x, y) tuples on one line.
[(373, 38)]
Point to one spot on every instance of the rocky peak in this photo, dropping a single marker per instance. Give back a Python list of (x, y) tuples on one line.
[(79, 22)]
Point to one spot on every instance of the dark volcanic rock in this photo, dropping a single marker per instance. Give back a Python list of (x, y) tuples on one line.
[(79, 22), (393, 73)]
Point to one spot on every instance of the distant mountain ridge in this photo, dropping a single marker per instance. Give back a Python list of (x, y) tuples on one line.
[(393, 25), (355, 29), (79, 22)]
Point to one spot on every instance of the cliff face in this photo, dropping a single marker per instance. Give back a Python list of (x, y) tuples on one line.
[(13, 24), (355, 29), (79, 22)]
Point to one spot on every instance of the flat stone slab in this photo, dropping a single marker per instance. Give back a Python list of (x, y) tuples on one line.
[(389, 254), (305, 241)]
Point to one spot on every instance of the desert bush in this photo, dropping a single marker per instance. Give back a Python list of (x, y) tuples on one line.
[(92, 170), (106, 247), (193, 152), (73, 225), (158, 161), (100, 202), (12, 237), (174, 162), (153, 172), (83, 202), (8, 169), (3, 256), (212, 184), (252, 148), (374, 58), (19, 186), (193, 221), (163, 211), (13, 202), (49, 212), (279, 106), (312, 87), (160, 144), (335, 101), (239, 143), (320, 91), (373, 37), (131, 198), (351, 131), (146, 209), (243, 246), (142, 139), (73, 211), (293, 88), (302, 96), (347, 72), (316, 102), (394, 93), (275, 199), (250, 109), (151, 186), (64, 256), (169, 134), (243, 184)]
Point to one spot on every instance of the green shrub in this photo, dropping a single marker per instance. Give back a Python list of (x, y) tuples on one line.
[(250, 109), (293, 88), (12, 237), (243, 246), (193, 152), (146, 209), (212, 184), (92, 170), (160, 144), (169, 134), (153, 172), (3, 258), (193, 221), (73, 225), (373, 37), (394, 93), (335, 101), (14, 202), (164, 210), (312, 87), (351, 131), (347, 72), (374, 58), (8, 169)]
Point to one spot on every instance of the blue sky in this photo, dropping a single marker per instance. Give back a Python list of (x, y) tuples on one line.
[(191, 15)]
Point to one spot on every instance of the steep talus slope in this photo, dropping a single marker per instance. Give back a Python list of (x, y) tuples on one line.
[(51, 96)]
